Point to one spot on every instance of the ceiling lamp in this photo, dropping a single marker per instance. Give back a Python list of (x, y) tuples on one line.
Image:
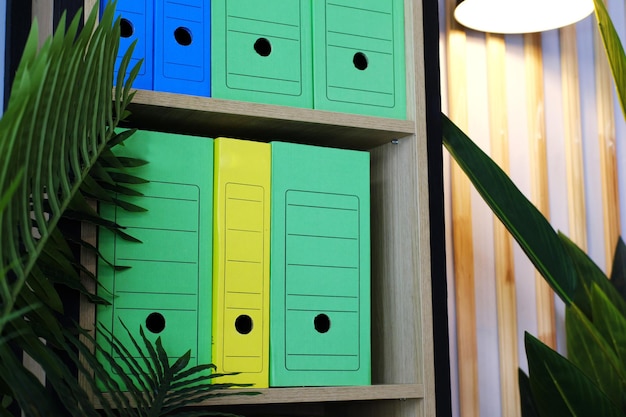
[(521, 16)]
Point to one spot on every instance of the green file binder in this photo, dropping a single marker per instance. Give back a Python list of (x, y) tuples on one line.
[(359, 64), (320, 267), (261, 51), (167, 290)]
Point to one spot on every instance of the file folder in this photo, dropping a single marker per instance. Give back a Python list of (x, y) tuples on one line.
[(262, 51), (168, 288), (182, 46), (320, 267), (136, 24), (359, 64), (241, 260)]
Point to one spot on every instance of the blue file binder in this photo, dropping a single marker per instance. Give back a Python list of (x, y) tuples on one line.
[(182, 46), (136, 24)]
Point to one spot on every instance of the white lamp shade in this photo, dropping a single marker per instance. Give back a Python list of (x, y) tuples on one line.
[(521, 16)]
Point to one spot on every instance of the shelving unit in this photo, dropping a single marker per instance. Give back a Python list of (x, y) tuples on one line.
[(402, 324)]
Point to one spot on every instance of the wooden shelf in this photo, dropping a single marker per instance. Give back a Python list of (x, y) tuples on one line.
[(326, 394), (212, 117), (321, 394)]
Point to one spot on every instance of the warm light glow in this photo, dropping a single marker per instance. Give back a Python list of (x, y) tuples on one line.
[(521, 16)]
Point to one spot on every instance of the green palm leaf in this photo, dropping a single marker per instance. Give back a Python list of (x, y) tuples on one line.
[(56, 137), (58, 124), (31, 133), (156, 385)]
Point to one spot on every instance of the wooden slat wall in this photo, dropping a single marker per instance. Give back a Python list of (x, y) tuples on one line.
[(533, 62), (42, 13), (607, 145), (573, 137), (503, 245), (550, 172)]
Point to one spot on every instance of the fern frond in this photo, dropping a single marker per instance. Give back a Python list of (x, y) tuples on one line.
[(161, 388), (58, 123), (56, 138), (58, 126)]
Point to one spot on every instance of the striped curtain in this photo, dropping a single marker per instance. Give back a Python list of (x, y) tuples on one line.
[(544, 107)]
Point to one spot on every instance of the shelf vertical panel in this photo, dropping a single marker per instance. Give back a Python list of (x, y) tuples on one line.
[(421, 254), (88, 233), (399, 304), (89, 4), (401, 270)]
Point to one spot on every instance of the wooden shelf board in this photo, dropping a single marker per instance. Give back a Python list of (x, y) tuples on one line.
[(321, 394), (216, 117)]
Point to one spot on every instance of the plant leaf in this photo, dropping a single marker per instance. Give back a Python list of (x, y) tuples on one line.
[(560, 388), (16, 375), (589, 273), (528, 226), (129, 206), (593, 354), (57, 125), (609, 322), (124, 178), (618, 270), (120, 136), (614, 50)]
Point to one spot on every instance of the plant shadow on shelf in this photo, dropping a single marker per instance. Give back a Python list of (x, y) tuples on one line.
[(592, 379), (149, 384), (56, 138)]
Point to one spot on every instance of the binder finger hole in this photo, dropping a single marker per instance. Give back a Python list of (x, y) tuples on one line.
[(155, 322), (263, 47), (243, 324), (360, 61), (321, 323), (183, 36), (126, 28)]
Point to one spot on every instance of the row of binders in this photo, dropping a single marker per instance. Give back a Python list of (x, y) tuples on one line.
[(256, 256), (337, 55)]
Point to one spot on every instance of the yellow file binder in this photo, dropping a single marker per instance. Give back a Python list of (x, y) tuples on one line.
[(241, 264)]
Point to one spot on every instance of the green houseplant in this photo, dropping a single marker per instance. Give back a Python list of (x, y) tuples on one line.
[(591, 381), (56, 138)]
